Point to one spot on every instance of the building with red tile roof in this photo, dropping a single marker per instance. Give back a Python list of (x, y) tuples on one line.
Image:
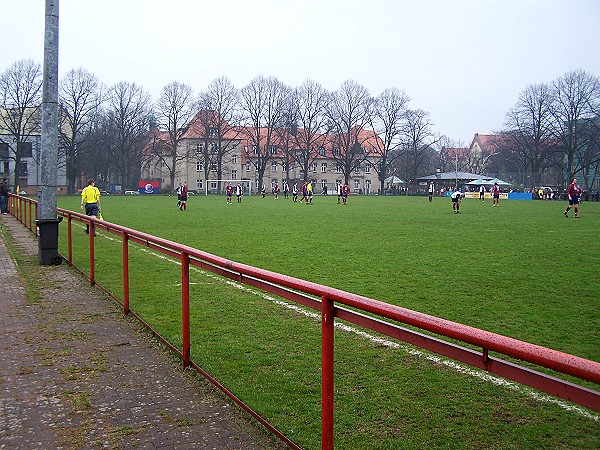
[(211, 150)]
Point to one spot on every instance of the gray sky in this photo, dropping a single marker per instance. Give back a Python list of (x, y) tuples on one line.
[(463, 61)]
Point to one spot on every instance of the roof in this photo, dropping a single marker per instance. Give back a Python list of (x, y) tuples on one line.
[(454, 175)]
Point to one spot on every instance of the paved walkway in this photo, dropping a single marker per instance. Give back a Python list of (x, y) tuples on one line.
[(75, 374)]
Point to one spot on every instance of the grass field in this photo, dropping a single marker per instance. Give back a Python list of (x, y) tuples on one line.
[(521, 270)]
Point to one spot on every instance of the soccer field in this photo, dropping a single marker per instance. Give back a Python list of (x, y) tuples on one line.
[(521, 270)]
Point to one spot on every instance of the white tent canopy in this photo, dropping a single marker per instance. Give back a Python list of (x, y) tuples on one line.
[(394, 180), (480, 181)]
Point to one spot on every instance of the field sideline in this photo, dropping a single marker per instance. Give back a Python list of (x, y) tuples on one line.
[(522, 269)]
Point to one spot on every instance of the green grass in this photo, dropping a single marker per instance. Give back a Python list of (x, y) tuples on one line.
[(521, 270)]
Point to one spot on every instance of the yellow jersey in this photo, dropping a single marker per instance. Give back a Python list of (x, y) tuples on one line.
[(90, 194)]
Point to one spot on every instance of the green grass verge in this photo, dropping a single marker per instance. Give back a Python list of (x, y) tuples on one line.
[(521, 270)]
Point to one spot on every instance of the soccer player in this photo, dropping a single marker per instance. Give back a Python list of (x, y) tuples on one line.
[(431, 190), (304, 193), (339, 190), (286, 189), (276, 191), (90, 197), (345, 193), (229, 192), (263, 191), (184, 197), (495, 195), (573, 192), (482, 193), (456, 197), (178, 190), (309, 192), (239, 192), (295, 192)]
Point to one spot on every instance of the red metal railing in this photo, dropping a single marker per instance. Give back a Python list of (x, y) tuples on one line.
[(329, 302)]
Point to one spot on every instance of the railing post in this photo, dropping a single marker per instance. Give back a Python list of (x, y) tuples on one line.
[(92, 231), (125, 247), (69, 239), (327, 349), (185, 308)]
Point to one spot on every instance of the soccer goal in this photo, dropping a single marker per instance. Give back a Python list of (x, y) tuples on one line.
[(212, 186)]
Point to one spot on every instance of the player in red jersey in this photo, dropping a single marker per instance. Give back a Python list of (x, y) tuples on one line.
[(345, 193), (495, 195), (573, 191), (229, 192)]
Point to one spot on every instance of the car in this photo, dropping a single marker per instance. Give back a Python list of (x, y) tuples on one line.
[(104, 193), (132, 192)]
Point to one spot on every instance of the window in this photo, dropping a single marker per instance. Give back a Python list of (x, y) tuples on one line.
[(323, 185), (338, 168), (234, 159), (336, 151), (213, 184), (313, 167), (323, 167), (25, 149), (254, 149), (273, 150), (302, 174), (248, 166), (199, 184), (3, 151), (199, 148), (213, 148), (273, 167), (234, 174), (213, 167), (368, 168), (199, 166), (356, 184), (367, 186), (245, 149), (212, 132), (321, 151), (357, 170), (23, 168)]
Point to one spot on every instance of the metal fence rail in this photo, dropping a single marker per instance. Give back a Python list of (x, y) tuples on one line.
[(334, 303)]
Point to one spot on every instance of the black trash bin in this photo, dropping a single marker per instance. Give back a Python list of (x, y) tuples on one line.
[(48, 241)]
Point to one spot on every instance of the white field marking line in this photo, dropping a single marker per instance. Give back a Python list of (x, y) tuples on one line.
[(387, 343)]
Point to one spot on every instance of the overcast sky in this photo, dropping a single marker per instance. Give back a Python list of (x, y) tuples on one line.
[(463, 61)]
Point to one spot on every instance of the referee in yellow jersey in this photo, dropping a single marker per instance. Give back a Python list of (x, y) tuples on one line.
[(90, 198)]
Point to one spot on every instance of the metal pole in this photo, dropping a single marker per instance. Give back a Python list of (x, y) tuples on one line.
[(49, 151), (47, 221)]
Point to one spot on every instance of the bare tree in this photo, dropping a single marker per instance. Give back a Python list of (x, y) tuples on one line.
[(263, 103), (219, 122), (127, 116), (573, 96), (308, 124), (527, 136), (21, 94), (347, 116), (386, 120), (175, 110), (418, 140), (80, 99)]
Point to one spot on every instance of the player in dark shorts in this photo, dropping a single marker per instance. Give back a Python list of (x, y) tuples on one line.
[(456, 198), (573, 192), (229, 192), (495, 195)]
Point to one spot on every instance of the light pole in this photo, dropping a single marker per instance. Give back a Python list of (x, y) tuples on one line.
[(47, 220)]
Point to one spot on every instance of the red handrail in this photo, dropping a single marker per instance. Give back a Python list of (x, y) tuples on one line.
[(324, 298)]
